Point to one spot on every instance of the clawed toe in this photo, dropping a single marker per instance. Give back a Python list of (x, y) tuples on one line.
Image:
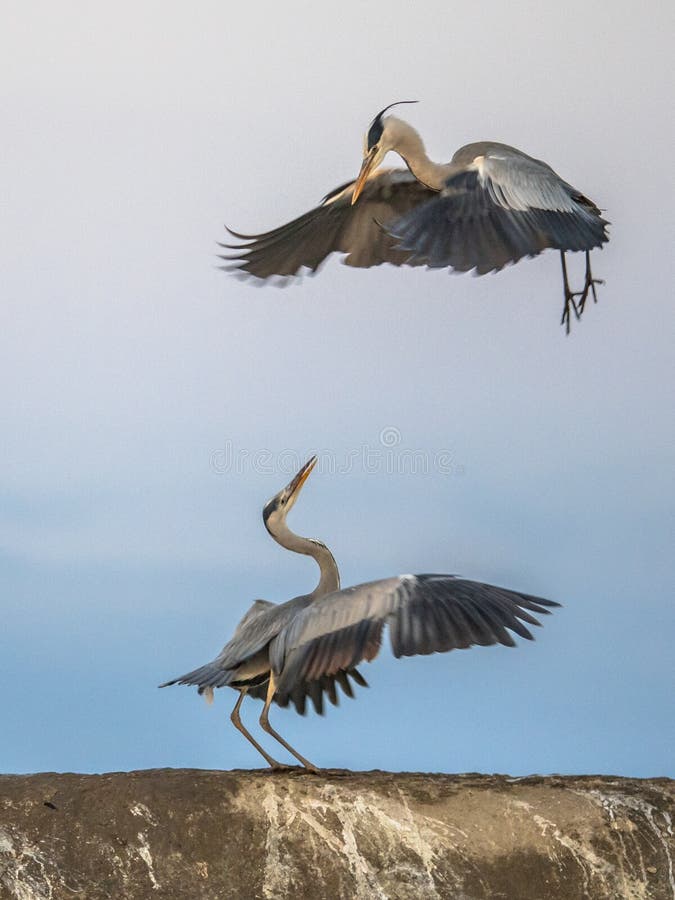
[(571, 303), (570, 306), (589, 288)]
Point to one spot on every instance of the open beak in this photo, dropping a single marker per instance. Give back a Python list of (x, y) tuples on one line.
[(301, 477), (367, 166)]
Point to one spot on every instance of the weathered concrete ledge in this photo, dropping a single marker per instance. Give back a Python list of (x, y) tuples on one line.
[(199, 834)]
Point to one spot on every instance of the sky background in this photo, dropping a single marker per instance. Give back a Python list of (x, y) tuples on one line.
[(137, 382)]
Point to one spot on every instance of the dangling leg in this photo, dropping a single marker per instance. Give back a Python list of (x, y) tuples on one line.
[(236, 721), (265, 725), (569, 297), (589, 285)]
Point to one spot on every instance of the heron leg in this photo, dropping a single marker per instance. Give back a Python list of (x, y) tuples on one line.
[(583, 295), (589, 285), (238, 724), (570, 303), (265, 725)]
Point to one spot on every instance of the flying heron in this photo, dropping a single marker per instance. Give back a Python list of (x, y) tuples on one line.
[(489, 206), (309, 645)]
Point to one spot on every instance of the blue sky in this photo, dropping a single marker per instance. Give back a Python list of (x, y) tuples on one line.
[(129, 365)]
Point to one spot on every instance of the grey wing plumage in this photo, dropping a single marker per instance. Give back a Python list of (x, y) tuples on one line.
[(425, 614), (210, 675), (316, 691), (257, 608), (497, 207), (334, 226), (262, 622), (250, 639)]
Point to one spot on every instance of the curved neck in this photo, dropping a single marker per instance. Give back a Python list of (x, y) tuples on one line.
[(330, 577), (410, 147)]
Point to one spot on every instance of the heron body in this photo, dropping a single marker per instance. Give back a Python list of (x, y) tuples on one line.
[(490, 205), (312, 644)]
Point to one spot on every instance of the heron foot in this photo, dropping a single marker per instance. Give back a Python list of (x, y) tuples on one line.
[(589, 287), (578, 306), (571, 303), (293, 770), (569, 307)]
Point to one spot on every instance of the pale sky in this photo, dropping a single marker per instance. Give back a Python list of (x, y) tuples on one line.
[(131, 368)]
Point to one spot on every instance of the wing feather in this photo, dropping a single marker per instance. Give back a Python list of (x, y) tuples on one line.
[(498, 206), (334, 226), (303, 689), (425, 614)]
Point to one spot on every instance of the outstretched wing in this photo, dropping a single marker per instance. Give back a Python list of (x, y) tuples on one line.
[(334, 226), (262, 622), (498, 206), (425, 614)]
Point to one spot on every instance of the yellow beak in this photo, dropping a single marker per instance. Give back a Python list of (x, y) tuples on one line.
[(366, 168), (302, 476)]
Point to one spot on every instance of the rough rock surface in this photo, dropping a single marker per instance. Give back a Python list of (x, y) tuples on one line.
[(199, 834)]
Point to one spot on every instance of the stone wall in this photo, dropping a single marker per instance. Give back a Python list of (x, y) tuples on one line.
[(198, 834)]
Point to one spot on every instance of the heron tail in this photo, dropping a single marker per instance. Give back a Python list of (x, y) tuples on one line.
[(206, 678)]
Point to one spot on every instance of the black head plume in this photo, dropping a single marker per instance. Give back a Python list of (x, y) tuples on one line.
[(376, 126), (270, 507)]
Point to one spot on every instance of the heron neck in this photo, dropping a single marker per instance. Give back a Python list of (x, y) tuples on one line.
[(330, 577), (411, 148)]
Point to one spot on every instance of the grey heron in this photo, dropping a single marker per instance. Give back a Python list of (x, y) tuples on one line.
[(309, 645), (490, 205)]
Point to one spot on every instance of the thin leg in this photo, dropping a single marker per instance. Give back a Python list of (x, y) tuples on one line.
[(236, 721), (265, 725), (570, 303), (570, 295), (589, 285)]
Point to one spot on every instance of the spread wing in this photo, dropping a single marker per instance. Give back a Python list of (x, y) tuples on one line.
[(334, 226), (425, 614), (258, 626), (263, 621), (496, 208)]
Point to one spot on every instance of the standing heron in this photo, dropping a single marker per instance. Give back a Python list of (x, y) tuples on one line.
[(489, 206), (307, 646)]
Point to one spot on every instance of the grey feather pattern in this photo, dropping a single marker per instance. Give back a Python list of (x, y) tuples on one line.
[(260, 624), (262, 621), (301, 691), (253, 635), (257, 608), (498, 206), (333, 226), (425, 614)]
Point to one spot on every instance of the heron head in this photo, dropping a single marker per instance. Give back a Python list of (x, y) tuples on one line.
[(377, 142), (278, 507)]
